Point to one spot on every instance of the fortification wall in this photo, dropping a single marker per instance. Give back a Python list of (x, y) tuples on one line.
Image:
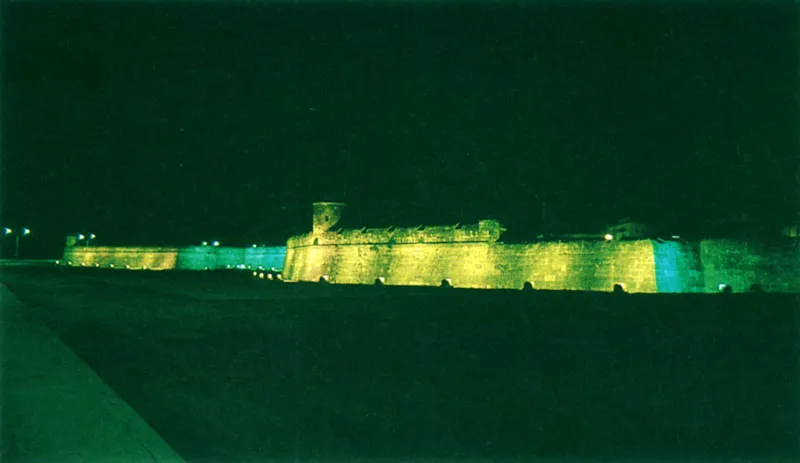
[(169, 258), (570, 265), (576, 265), (678, 268), (642, 266), (775, 266)]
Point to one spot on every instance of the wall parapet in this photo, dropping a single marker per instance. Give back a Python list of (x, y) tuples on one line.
[(485, 231)]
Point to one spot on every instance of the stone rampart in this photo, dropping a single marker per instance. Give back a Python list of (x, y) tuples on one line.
[(170, 258)]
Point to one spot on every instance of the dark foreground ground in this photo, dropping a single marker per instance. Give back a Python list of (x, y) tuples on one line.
[(227, 368)]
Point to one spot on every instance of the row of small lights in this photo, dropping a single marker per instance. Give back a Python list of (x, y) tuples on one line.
[(268, 276), (216, 243)]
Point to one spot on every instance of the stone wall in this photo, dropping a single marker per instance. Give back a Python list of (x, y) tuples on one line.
[(168, 258), (581, 265), (775, 266), (486, 231), (641, 266)]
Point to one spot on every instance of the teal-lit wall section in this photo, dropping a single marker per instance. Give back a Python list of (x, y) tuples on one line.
[(188, 258), (265, 256), (678, 267), (197, 258)]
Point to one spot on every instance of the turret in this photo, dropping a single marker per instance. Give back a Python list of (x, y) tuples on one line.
[(326, 215)]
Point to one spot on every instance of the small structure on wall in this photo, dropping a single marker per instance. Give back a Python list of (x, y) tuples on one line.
[(326, 216), (628, 228)]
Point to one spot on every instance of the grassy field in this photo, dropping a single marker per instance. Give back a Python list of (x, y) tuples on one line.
[(228, 368)]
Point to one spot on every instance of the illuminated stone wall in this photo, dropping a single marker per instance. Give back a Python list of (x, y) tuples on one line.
[(580, 265), (773, 265), (163, 258), (576, 265), (428, 256), (678, 268)]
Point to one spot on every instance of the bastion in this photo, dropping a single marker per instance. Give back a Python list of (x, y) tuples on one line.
[(472, 256)]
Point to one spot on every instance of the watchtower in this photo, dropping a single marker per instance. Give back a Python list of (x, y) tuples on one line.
[(326, 215)]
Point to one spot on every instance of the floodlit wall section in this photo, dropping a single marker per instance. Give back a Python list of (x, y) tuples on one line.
[(569, 265), (678, 268), (576, 265), (641, 266), (163, 258)]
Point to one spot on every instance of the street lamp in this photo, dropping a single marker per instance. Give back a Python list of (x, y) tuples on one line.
[(10, 232), (215, 243), (82, 237)]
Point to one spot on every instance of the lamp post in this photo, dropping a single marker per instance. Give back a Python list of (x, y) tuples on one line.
[(24, 232), (7, 231)]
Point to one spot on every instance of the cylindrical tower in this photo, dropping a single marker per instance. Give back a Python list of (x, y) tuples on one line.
[(326, 215)]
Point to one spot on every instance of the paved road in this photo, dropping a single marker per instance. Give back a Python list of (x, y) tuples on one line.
[(337, 374), (55, 408)]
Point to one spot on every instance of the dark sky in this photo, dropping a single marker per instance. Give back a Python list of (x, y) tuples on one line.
[(148, 123)]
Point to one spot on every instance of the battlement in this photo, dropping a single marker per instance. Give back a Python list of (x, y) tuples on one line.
[(485, 231)]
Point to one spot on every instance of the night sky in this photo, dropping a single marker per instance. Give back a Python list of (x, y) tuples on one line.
[(150, 123)]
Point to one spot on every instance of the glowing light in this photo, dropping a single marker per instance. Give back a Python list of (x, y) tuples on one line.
[(261, 275), (255, 245), (8, 231), (58, 262), (215, 243), (269, 276), (280, 277), (676, 237), (92, 236), (96, 264), (80, 236), (255, 273), (205, 243), (608, 237), (26, 231), (111, 265), (722, 286)]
